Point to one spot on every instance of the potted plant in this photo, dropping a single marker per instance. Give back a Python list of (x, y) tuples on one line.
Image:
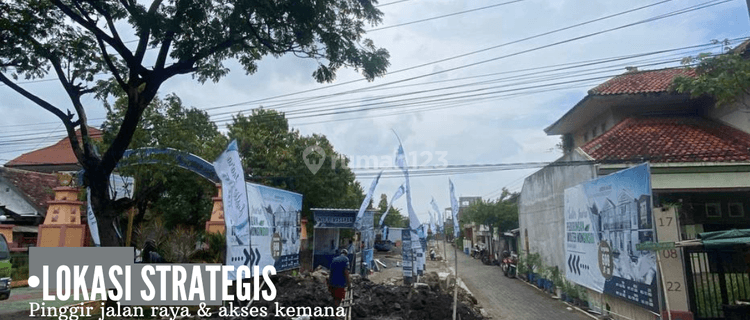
[(522, 268), (556, 280)]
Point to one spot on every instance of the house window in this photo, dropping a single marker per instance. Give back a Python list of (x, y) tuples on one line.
[(603, 127), (736, 210), (593, 132), (713, 210), (585, 136)]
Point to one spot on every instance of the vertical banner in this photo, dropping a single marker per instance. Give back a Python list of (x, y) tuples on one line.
[(440, 218), (401, 163), (91, 218), (234, 198), (605, 221), (416, 245), (274, 227), (406, 253), (398, 194), (366, 202), (454, 208)]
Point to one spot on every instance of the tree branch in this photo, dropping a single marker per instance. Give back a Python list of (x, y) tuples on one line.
[(110, 64), (75, 97), (120, 47), (140, 51), (66, 119)]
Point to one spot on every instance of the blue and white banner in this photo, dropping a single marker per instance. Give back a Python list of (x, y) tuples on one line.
[(416, 249), (406, 253), (91, 219), (440, 218), (401, 163), (366, 202), (605, 219), (274, 227), (454, 208), (399, 192), (432, 222), (234, 198)]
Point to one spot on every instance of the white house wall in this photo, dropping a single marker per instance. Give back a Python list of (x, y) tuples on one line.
[(541, 203), (735, 115)]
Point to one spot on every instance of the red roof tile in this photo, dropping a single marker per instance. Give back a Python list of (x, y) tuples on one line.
[(36, 187), (672, 139), (650, 81), (60, 153)]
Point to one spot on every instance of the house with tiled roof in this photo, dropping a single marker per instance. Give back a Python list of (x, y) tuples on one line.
[(699, 156), (26, 184), (23, 203), (58, 157)]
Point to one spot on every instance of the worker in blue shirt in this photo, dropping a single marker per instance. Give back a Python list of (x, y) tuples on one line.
[(338, 279)]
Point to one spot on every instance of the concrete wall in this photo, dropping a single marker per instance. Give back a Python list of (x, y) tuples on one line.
[(735, 115), (541, 203)]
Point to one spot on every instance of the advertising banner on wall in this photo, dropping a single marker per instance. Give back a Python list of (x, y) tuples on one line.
[(605, 219), (274, 226)]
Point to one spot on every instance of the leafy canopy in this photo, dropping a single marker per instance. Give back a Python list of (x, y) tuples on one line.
[(175, 195), (501, 212), (272, 155), (724, 77)]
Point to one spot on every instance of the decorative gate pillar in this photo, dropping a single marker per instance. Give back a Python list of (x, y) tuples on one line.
[(216, 224), (62, 226)]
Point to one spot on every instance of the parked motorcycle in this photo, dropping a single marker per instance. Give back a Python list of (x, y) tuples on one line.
[(509, 264)]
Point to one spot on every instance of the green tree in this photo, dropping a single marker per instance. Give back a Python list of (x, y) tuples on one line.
[(394, 219), (725, 77), (272, 154), (499, 213), (85, 43), (180, 197)]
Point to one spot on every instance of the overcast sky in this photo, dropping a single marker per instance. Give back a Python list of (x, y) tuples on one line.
[(505, 127)]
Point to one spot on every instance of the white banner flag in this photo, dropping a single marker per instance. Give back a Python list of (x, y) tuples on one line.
[(234, 198), (432, 222), (93, 227), (440, 220), (398, 194), (454, 208), (401, 163), (366, 202)]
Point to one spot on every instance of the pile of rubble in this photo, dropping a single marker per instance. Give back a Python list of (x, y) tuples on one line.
[(430, 299)]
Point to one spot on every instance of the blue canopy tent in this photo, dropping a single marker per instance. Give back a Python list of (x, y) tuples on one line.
[(326, 236)]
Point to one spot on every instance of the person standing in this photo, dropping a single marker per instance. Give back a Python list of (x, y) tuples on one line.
[(338, 279)]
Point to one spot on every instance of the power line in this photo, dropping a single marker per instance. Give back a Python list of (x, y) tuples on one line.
[(444, 16), (437, 61)]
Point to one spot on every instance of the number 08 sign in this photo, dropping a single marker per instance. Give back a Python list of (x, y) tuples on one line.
[(605, 221)]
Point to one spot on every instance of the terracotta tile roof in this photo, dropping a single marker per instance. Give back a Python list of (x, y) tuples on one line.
[(651, 81), (36, 187), (671, 139), (60, 153)]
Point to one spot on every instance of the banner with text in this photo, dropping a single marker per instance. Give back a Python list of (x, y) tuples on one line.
[(229, 169), (274, 226), (605, 219)]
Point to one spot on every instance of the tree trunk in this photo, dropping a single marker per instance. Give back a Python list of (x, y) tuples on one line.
[(104, 209)]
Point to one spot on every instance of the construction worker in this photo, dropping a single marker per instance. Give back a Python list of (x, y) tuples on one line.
[(338, 278)]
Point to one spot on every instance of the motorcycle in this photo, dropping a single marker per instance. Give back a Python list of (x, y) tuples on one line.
[(509, 264)]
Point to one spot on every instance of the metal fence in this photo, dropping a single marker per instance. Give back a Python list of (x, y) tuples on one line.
[(716, 280)]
